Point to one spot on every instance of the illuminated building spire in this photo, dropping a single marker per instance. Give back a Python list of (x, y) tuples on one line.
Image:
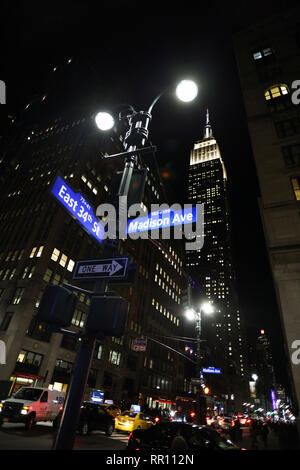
[(207, 129)]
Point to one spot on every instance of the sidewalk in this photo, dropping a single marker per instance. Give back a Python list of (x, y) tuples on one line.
[(273, 442)]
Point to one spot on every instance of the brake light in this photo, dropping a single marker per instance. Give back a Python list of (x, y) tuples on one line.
[(156, 419), (192, 414)]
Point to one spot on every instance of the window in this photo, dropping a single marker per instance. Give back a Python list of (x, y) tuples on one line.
[(55, 254), (29, 357), (63, 260), (79, 318), (114, 357), (47, 275), (262, 53), (287, 127), (39, 253), (296, 186), (18, 295), (56, 279), (71, 265), (291, 155), (276, 91), (32, 252)]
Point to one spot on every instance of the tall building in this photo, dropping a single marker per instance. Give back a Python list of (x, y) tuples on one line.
[(261, 372), (212, 267), (267, 55), (40, 243)]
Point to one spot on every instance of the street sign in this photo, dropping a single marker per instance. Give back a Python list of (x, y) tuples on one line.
[(78, 207), (162, 219), (211, 370), (195, 380), (139, 344), (104, 268)]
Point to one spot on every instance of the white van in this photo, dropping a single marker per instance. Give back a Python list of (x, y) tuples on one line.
[(30, 405)]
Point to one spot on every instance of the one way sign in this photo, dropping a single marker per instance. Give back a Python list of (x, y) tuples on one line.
[(112, 268)]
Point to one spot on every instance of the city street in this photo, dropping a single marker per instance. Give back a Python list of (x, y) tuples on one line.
[(14, 437)]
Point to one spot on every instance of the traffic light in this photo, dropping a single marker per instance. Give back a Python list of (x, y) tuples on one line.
[(108, 315), (57, 306)]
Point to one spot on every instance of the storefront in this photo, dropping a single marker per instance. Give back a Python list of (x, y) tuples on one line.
[(22, 379)]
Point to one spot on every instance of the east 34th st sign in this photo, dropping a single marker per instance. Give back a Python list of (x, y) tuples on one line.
[(112, 268)]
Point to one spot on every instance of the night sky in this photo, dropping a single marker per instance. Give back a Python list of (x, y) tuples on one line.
[(130, 52)]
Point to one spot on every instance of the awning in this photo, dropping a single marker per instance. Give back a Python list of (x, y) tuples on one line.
[(28, 376)]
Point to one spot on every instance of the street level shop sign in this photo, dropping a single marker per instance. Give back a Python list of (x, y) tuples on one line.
[(78, 207), (108, 268), (139, 344)]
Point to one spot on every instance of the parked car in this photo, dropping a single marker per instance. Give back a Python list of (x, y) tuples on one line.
[(129, 421), (114, 410), (178, 436), (92, 417), (30, 405)]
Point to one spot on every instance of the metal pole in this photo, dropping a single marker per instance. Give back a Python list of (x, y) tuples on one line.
[(200, 411)]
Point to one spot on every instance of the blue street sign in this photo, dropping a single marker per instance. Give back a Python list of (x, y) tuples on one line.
[(211, 370), (77, 206), (162, 219)]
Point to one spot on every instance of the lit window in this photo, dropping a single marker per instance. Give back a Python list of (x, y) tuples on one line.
[(83, 178), (71, 265), (276, 91), (18, 295), (33, 252), (296, 187), (39, 253), (63, 260), (55, 254)]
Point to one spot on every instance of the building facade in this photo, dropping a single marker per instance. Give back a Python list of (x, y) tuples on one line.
[(267, 55), (213, 271)]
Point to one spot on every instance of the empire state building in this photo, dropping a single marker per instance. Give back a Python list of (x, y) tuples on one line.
[(212, 267)]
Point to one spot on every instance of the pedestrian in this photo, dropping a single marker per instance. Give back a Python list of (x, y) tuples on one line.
[(238, 433), (264, 431)]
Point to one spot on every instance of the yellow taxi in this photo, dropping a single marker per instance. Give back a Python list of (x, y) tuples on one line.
[(112, 409), (128, 421)]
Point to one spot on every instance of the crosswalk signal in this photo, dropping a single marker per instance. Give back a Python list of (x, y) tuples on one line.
[(57, 306), (108, 315)]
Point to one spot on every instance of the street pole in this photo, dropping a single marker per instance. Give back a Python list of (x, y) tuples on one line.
[(200, 399), (135, 137)]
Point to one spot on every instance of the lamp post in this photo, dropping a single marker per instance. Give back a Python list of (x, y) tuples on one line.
[(135, 139), (193, 315)]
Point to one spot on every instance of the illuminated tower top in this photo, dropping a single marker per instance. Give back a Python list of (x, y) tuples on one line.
[(207, 149)]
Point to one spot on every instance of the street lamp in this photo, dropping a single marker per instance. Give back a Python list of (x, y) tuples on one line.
[(186, 91), (192, 315)]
